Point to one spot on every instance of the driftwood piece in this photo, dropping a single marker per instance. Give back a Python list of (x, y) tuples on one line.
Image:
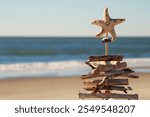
[(129, 76), (90, 76), (95, 64), (111, 95), (94, 83), (115, 73), (103, 68), (106, 58), (97, 72), (117, 88), (103, 83), (91, 65)]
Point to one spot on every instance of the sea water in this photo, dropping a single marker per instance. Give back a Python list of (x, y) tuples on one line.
[(65, 56)]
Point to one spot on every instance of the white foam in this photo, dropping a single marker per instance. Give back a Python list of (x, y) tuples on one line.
[(138, 62), (60, 68)]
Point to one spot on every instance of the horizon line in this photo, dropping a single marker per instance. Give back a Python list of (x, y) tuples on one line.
[(66, 36)]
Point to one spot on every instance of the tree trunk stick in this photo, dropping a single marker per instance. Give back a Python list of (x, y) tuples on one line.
[(106, 46)]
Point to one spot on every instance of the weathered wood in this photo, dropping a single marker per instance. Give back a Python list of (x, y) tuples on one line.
[(111, 95), (98, 72), (130, 76), (92, 66), (114, 73), (90, 76), (106, 58), (104, 82), (122, 71), (105, 66), (117, 88), (106, 44), (94, 83), (95, 64)]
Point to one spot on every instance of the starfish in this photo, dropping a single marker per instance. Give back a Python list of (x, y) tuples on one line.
[(107, 25)]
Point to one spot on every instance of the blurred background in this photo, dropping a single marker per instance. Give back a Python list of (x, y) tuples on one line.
[(54, 38)]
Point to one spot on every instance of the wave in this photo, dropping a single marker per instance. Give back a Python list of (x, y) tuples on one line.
[(138, 62), (60, 68)]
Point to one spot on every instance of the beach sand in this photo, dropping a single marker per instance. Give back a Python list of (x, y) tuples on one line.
[(63, 88)]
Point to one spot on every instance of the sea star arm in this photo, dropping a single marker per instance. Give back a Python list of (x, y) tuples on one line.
[(106, 16), (113, 34), (117, 21), (101, 33), (98, 22)]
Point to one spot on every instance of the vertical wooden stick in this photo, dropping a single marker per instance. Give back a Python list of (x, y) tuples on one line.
[(106, 54), (106, 45)]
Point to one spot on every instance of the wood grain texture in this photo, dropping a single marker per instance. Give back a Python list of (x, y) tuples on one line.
[(93, 83), (117, 88), (107, 96), (104, 68), (114, 73), (106, 58), (95, 64)]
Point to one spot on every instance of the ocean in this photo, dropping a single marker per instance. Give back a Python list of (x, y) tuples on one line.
[(65, 56)]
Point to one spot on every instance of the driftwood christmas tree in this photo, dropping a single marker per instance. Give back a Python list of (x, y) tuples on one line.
[(110, 74)]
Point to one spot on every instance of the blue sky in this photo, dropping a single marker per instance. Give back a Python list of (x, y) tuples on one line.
[(71, 17)]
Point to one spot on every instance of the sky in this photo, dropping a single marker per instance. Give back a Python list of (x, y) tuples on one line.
[(71, 17)]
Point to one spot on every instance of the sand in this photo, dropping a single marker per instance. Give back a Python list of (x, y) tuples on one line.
[(62, 88)]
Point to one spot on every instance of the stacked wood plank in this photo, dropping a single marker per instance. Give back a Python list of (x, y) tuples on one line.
[(109, 78)]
